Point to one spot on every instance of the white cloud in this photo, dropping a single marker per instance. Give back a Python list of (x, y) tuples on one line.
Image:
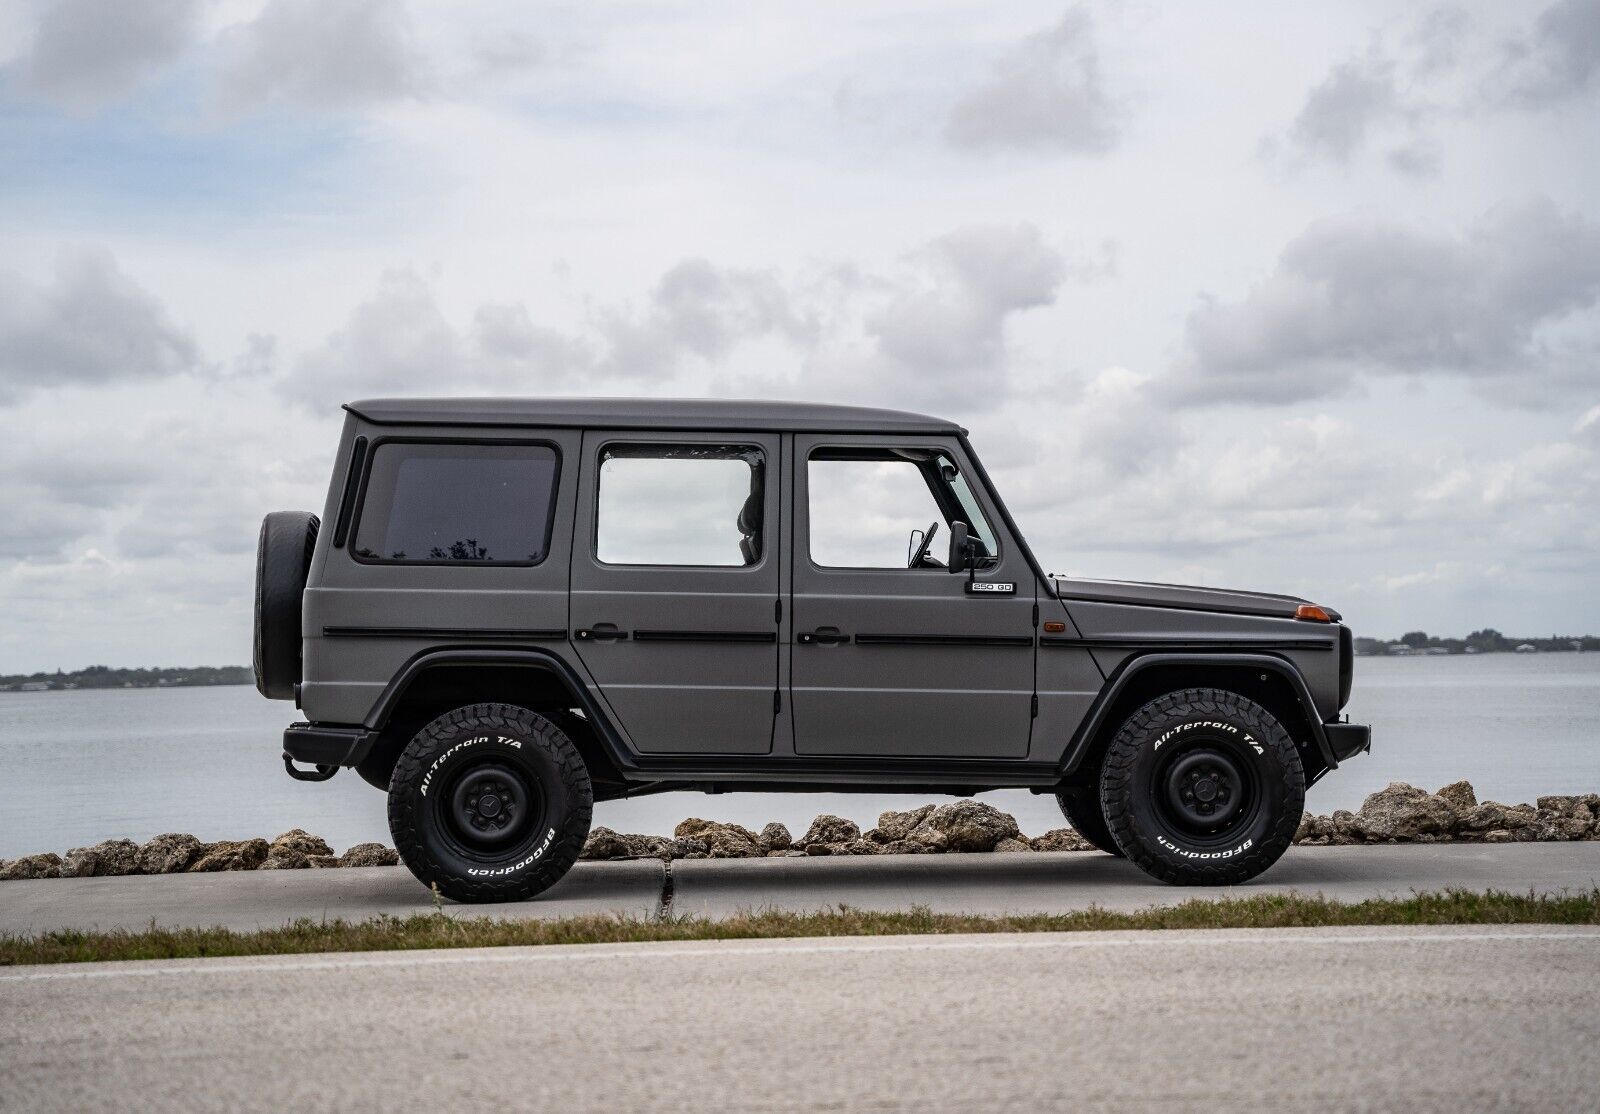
[(1046, 93), (320, 54), (1557, 60), (92, 324), (1358, 296), (85, 53)]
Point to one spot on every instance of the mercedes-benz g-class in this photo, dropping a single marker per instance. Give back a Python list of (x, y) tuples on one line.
[(511, 609)]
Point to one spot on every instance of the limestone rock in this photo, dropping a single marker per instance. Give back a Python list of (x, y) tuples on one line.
[(603, 843), (722, 841), (731, 842), (169, 853), (894, 826), (1010, 845), (1061, 839), (1488, 816), (1460, 796), (929, 838), (1520, 817), (1402, 812), (829, 829), (905, 847), (370, 854), (1568, 807), (294, 849), (244, 854), (972, 825), (103, 860), (47, 865), (1572, 827), (862, 847), (775, 837)]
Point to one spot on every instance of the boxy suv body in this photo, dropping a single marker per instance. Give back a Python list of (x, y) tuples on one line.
[(510, 609)]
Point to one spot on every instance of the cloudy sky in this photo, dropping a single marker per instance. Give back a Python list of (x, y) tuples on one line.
[(1292, 297)]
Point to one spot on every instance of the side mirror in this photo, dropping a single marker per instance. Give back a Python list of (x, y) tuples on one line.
[(960, 548)]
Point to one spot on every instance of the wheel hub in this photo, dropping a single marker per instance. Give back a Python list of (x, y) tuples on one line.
[(1205, 789), (490, 805)]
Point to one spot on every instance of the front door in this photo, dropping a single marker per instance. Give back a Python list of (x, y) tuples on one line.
[(674, 606), (896, 656)]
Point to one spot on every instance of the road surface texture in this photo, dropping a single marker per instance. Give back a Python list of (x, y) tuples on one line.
[(984, 884), (1416, 1019)]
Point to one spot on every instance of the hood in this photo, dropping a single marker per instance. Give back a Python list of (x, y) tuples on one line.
[(1181, 595)]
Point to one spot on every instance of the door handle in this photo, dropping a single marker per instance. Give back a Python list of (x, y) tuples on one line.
[(822, 636), (600, 632)]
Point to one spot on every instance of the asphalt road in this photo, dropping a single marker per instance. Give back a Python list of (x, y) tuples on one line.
[(719, 887), (1400, 1018)]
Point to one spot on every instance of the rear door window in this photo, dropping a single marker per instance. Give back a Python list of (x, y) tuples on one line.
[(435, 503), (681, 505)]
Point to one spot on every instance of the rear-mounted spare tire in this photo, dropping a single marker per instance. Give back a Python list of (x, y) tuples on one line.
[(283, 561)]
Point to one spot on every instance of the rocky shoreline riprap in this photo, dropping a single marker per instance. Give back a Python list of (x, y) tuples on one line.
[(1400, 813), (177, 853)]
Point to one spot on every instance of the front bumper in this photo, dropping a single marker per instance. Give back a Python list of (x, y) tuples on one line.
[(324, 745), (1346, 740)]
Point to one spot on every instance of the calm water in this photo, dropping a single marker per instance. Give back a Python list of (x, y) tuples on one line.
[(85, 766)]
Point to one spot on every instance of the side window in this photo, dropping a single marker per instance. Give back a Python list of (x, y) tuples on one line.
[(869, 508), (434, 503), (686, 505)]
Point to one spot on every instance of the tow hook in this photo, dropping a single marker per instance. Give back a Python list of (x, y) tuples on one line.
[(319, 773)]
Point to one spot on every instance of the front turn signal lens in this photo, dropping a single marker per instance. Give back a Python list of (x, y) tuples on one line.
[(1312, 613), (1053, 627)]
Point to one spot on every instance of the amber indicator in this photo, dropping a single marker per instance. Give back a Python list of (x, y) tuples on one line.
[(1054, 628), (1312, 613)]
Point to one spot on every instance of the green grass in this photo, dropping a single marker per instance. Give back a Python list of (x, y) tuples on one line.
[(436, 931)]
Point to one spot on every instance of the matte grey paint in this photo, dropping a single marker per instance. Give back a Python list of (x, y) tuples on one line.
[(713, 683)]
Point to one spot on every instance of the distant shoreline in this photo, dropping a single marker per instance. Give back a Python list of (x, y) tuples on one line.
[(104, 677)]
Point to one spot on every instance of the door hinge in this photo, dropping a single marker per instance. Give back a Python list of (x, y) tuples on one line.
[(1035, 713), (1035, 614), (777, 611), (777, 701)]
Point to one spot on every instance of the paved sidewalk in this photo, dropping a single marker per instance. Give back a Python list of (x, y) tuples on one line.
[(988, 884)]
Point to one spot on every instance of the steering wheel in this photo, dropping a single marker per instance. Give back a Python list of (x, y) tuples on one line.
[(922, 550)]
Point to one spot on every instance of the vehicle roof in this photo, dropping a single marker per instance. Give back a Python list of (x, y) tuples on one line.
[(647, 413)]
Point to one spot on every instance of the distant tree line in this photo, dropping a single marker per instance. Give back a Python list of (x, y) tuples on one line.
[(1486, 641), (104, 677)]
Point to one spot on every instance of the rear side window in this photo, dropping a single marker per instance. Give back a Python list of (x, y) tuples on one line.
[(430, 503), (681, 505)]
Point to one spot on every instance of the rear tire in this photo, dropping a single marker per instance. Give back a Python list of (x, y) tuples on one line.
[(1202, 787), (1081, 807), (490, 803)]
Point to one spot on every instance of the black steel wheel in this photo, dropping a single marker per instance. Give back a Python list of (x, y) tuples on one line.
[(1202, 787), (490, 803)]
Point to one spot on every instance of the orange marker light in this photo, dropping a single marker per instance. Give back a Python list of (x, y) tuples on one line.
[(1054, 628), (1312, 613)]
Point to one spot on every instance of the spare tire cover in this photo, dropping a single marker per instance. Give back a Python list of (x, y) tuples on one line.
[(283, 560)]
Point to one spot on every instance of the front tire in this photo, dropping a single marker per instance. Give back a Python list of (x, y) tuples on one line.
[(1202, 787), (490, 802)]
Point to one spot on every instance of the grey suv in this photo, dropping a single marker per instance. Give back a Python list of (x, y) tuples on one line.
[(513, 608)]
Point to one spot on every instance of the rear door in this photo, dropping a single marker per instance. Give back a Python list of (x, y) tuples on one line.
[(674, 605), (898, 661)]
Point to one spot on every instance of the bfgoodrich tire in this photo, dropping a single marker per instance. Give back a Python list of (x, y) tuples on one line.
[(490, 803), (1202, 787), (1081, 807)]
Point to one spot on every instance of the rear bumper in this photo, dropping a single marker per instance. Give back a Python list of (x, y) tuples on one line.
[(324, 745), (1347, 740)]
